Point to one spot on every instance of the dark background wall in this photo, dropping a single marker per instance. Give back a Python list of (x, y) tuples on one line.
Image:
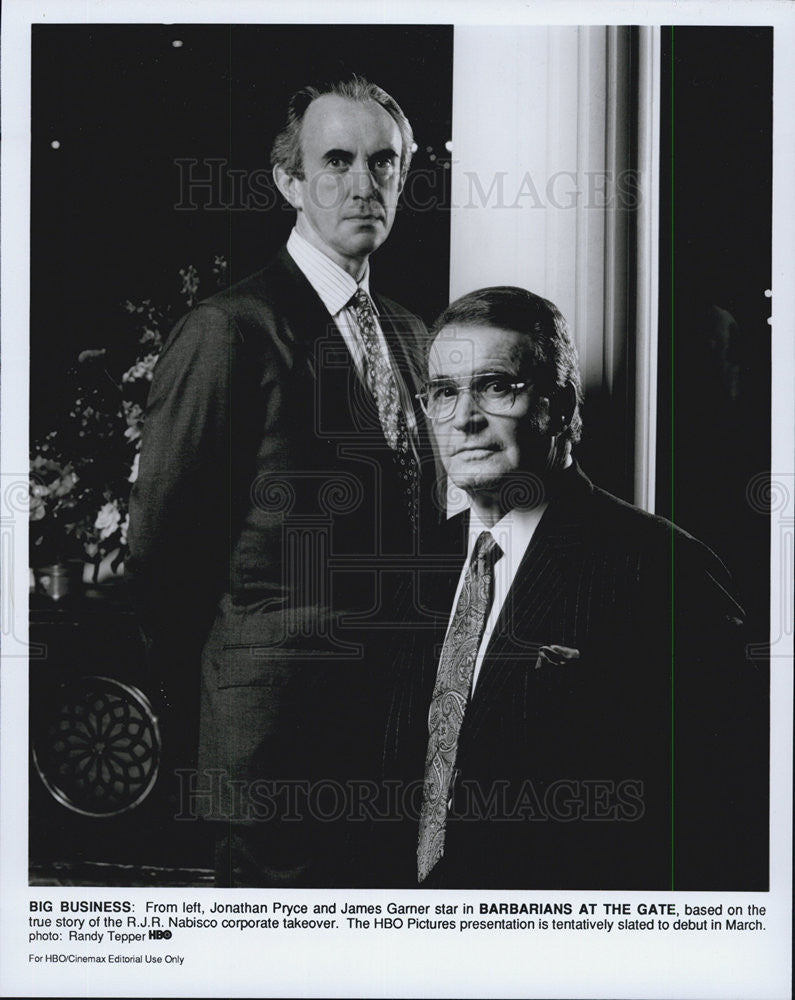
[(110, 217), (715, 264), (714, 411)]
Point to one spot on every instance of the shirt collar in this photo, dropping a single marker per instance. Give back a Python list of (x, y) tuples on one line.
[(333, 284), (512, 532)]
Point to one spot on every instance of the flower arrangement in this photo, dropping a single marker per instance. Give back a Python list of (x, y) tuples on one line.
[(81, 473)]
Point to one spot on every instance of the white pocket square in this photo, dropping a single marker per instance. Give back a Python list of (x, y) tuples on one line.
[(555, 656)]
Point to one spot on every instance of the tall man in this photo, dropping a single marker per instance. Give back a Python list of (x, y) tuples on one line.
[(576, 718), (280, 470)]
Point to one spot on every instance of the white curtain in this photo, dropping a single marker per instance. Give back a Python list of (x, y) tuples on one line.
[(554, 188)]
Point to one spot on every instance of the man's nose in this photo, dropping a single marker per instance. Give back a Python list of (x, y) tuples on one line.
[(466, 413), (364, 185)]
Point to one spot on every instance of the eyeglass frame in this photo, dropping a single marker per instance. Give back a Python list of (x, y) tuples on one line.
[(516, 388)]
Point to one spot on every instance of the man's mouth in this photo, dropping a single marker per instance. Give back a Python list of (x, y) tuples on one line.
[(474, 451), (367, 217)]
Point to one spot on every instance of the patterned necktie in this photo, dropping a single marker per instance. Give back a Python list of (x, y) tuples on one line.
[(381, 380), (450, 696)]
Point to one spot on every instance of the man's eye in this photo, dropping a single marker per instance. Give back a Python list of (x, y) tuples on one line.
[(494, 386), (384, 166), (335, 163), (443, 390)]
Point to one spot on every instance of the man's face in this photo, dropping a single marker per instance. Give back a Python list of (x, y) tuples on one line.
[(482, 451), (351, 157)]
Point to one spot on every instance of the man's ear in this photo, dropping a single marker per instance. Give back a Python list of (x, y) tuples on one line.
[(563, 405), (288, 186)]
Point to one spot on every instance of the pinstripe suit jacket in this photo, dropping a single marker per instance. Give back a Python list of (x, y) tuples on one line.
[(621, 769)]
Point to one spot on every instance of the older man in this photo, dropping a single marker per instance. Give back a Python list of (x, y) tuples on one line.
[(281, 464), (576, 722)]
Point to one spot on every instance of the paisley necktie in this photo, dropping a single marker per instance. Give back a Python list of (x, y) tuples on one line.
[(450, 696), (381, 381)]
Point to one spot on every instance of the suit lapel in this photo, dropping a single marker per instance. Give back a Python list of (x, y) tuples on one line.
[(405, 344), (344, 407), (297, 298), (537, 610), (402, 342), (407, 352)]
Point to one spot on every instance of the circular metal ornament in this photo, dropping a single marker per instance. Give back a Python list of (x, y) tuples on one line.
[(97, 746)]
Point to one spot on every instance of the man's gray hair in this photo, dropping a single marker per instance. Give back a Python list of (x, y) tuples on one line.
[(286, 151)]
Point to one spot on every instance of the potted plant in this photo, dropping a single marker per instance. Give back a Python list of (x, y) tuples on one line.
[(82, 471)]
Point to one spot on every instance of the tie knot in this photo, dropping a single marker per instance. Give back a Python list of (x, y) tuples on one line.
[(365, 319), (360, 299), (486, 551)]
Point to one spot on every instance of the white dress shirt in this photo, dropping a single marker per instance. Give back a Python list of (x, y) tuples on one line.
[(336, 288)]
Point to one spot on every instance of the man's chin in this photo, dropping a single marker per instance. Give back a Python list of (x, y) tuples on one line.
[(367, 239), (477, 482), (505, 489)]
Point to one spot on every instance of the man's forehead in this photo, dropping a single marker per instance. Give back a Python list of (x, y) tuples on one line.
[(334, 121), (464, 349)]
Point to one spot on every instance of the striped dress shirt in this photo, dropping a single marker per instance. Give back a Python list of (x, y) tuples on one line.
[(336, 288)]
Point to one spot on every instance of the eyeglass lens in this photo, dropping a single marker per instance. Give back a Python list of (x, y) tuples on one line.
[(493, 392)]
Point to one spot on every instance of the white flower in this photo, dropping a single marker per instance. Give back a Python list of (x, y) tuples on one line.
[(107, 520), (66, 483), (134, 471), (125, 524), (134, 416), (37, 509), (141, 369), (150, 336)]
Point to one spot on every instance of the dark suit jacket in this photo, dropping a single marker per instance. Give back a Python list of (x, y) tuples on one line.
[(641, 764), (267, 531)]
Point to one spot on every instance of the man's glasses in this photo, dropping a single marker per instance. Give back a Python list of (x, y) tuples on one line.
[(492, 392)]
